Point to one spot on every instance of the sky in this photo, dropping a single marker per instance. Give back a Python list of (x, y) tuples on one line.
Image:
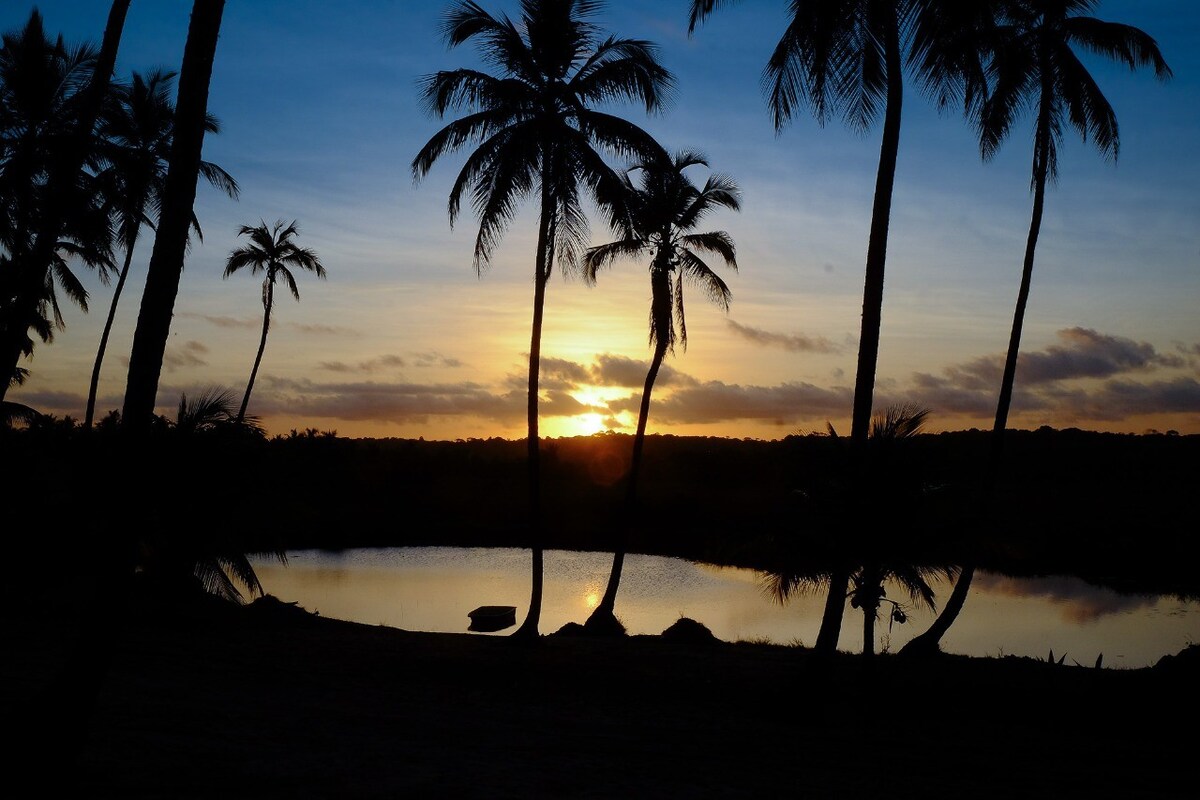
[(321, 117)]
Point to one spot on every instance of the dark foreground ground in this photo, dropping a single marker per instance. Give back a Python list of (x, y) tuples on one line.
[(268, 701)]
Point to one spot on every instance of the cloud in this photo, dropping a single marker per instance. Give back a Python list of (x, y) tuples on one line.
[(386, 401), (715, 401), (52, 402), (1044, 381), (434, 359), (1077, 601), (317, 329), (615, 370), (1084, 353), (370, 365), (795, 343), (189, 355), (222, 321)]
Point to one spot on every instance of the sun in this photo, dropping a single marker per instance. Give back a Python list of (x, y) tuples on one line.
[(587, 424)]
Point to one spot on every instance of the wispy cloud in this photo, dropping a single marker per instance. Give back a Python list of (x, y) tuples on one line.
[(795, 343), (223, 321), (316, 329), (370, 365)]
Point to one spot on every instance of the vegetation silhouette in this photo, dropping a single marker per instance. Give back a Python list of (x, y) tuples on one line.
[(848, 57), (1033, 65), (178, 197), (536, 131), (665, 207), (135, 143), (873, 548), (271, 251), (48, 213)]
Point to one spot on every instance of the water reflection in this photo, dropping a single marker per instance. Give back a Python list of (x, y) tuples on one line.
[(434, 588)]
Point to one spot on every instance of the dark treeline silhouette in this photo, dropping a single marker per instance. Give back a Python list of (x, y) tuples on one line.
[(1102, 506)]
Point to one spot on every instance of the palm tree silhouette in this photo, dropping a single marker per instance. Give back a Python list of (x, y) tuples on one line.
[(664, 209), (1034, 65), (42, 84), (536, 133), (178, 198), (137, 145), (270, 251), (847, 57)]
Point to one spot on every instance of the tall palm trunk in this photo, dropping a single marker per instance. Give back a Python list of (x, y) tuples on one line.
[(930, 640), (31, 274), (872, 314), (179, 196), (542, 267), (268, 303), (661, 292), (108, 323)]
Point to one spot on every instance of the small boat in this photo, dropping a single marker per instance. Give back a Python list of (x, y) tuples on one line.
[(492, 618)]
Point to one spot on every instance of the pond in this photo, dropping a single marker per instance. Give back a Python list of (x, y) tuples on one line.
[(434, 588)]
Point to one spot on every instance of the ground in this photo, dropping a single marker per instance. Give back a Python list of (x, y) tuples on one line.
[(269, 701)]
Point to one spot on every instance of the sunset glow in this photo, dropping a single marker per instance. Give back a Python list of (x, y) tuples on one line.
[(404, 339)]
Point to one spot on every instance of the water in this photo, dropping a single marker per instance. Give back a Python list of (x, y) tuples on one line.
[(433, 589)]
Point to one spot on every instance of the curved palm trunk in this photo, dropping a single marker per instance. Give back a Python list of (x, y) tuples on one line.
[(872, 314), (108, 323), (179, 195), (31, 277), (930, 640), (608, 602), (268, 302), (543, 264)]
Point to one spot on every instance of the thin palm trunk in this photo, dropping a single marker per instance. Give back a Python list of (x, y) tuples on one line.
[(544, 261), (930, 640), (179, 195), (872, 314), (1014, 341), (108, 323), (32, 275), (608, 602), (268, 302)]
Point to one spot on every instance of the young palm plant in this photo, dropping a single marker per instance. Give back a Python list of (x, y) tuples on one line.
[(664, 209), (1034, 65), (876, 553), (270, 251), (537, 133), (137, 145)]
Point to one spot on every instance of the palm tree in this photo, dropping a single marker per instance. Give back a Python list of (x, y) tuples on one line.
[(178, 197), (848, 57), (665, 208), (1034, 65), (42, 88), (270, 251), (536, 133), (877, 553), (137, 144)]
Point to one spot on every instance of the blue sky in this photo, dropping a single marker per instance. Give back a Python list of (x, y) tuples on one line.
[(321, 119)]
